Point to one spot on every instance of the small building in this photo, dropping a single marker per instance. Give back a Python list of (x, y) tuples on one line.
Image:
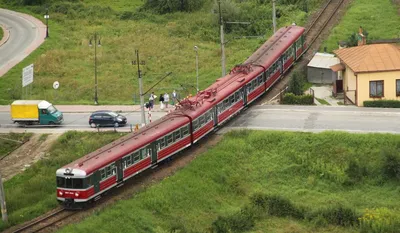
[(370, 72), (319, 71)]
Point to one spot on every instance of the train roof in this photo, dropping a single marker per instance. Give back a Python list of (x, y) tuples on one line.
[(194, 106)]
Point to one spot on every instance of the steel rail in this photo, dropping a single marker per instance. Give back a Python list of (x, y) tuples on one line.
[(37, 222)]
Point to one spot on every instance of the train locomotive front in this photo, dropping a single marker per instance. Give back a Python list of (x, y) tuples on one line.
[(74, 187)]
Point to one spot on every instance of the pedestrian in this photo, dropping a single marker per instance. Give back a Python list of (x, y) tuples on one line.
[(166, 99), (174, 97), (161, 101), (151, 100)]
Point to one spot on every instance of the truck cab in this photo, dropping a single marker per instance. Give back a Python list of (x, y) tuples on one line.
[(48, 114)]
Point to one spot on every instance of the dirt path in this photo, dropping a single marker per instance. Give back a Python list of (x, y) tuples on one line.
[(26, 155)]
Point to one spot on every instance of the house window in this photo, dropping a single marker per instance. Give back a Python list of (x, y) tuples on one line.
[(397, 87), (376, 88)]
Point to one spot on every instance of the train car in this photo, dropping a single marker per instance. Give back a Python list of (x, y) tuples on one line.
[(87, 178)]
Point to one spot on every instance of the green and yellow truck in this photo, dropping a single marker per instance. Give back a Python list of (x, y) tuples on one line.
[(29, 112)]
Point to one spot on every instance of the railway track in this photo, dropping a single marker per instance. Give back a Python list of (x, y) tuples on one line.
[(39, 225), (313, 32)]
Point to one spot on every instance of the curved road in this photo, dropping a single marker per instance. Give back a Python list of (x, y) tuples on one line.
[(26, 33)]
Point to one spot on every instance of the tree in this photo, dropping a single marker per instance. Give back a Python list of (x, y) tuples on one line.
[(296, 84)]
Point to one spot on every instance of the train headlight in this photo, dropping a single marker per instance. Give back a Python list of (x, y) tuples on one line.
[(60, 193), (76, 194)]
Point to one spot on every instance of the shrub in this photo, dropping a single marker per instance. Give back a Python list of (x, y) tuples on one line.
[(290, 98), (354, 172), (296, 84), (277, 206), (382, 103), (169, 6), (338, 215), (380, 220), (238, 222), (391, 163)]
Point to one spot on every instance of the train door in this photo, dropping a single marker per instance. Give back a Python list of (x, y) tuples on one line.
[(120, 170), (153, 151), (96, 181), (244, 93), (281, 64), (215, 117)]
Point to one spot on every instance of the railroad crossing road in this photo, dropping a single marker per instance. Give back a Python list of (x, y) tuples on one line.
[(318, 118), (72, 121)]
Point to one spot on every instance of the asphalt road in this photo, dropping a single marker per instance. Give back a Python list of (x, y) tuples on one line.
[(72, 121), (318, 118), (25, 36), (266, 117)]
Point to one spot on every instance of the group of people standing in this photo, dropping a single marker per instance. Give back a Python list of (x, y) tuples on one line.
[(164, 99)]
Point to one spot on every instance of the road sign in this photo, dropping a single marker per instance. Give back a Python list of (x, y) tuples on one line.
[(56, 84), (27, 75)]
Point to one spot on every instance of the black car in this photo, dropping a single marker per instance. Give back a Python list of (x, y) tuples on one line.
[(106, 118)]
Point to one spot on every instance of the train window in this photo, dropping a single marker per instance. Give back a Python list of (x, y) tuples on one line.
[(77, 183), (231, 99), (226, 103), (136, 158), (60, 182), (177, 134), (103, 173), (195, 125), (88, 182), (162, 142), (129, 160), (108, 171), (169, 139), (201, 120), (185, 130), (144, 153), (68, 182)]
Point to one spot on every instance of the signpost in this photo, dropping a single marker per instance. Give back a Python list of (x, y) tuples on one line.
[(27, 76)]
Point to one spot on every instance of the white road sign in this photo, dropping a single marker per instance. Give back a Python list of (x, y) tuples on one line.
[(27, 75)]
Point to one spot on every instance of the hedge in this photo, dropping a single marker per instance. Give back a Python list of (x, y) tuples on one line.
[(290, 98), (382, 103)]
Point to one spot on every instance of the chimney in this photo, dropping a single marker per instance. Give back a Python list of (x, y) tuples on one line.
[(361, 38)]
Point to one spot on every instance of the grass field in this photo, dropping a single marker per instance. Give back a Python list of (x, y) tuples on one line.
[(165, 43), (11, 141), (32, 192), (379, 17), (256, 181)]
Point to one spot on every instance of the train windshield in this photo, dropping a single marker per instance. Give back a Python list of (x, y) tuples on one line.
[(74, 183)]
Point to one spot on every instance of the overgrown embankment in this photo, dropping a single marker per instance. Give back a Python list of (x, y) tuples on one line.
[(11, 141), (165, 43), (379, 19), (32, 192), (264, 181)]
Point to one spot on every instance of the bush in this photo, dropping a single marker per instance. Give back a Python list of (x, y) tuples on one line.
[(338, 215), (169, 6), (290, 98), (382, 103), (277, 206), (296, 84), (391, 164), (238, 222), (354, 172)]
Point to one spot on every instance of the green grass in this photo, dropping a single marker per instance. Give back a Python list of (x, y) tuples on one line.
[(10, 142), (313, 172), (379, 17), (165, 43), (32, 192), (1, 33), (322, 101)]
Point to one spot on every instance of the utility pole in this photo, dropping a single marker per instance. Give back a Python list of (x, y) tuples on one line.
[(221, 23), (274, 15), (3, 202), (96, 43), (140, 87), (197, 68)]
